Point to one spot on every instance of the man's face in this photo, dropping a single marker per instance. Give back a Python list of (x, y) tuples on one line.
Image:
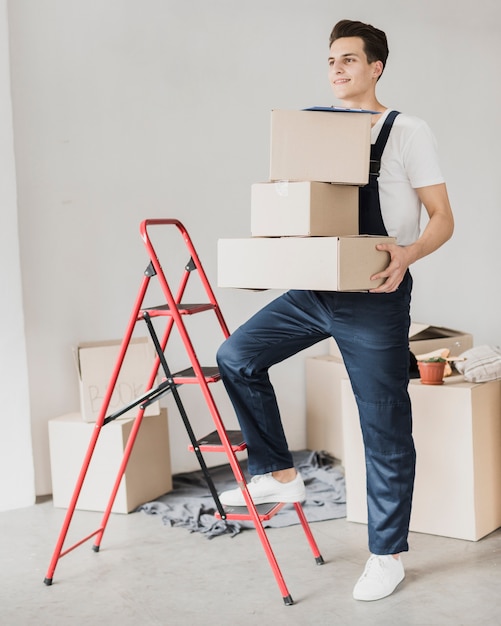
[(350, 75)]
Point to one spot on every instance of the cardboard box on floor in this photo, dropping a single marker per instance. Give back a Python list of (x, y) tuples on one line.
[(457, 435), (324, 419), (322, 263), (424, 338), (331, 147), (303, 209), (96, 361), (148, 472)]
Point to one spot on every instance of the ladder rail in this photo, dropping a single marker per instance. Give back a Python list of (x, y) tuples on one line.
[(131, 439), (95, 433), (140, 314)]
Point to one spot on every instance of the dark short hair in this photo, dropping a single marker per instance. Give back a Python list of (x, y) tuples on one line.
[(375, 42)]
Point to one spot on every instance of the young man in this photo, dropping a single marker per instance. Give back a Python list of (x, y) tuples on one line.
[(371, 328)]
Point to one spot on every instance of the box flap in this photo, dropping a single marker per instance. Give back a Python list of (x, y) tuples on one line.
[(416, 328), (341, 110), (420, 332)]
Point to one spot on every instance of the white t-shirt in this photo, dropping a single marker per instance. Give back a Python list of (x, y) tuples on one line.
[(409, 161)]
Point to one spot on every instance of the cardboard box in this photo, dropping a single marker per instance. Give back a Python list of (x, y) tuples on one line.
[(321, 263), (324, 418), (96, 361), (330, 147), (425, 338), (457, 434), (303, 209), (148, 472)]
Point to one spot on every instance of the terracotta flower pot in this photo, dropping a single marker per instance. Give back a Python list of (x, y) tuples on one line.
[(431, 372)]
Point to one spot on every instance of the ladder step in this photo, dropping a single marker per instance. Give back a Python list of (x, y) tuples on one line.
[(241, 513), (183, 309), (188, 376), (212, 442)]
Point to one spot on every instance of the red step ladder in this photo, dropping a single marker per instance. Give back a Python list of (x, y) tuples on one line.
[(172, 313)]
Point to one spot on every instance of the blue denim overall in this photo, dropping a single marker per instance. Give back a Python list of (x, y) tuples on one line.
[(371, 331)]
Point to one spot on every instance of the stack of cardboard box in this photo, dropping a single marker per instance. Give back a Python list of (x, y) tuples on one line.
[(304, 220), (304, 227), (148, 472)]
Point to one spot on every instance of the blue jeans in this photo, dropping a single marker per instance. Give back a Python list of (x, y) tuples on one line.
[(372, 332)]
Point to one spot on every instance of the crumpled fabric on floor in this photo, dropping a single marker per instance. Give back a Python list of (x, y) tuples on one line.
[(191, 506)]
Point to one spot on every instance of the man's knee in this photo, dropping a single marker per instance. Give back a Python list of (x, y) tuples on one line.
[(228, 356), (222, 354)]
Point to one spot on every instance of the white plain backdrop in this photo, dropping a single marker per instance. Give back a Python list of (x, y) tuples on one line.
[(124, 110)]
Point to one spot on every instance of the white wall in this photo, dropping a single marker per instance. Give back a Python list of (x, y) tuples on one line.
[(17, 484), (128, 109)]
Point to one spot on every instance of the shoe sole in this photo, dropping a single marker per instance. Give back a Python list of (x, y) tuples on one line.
[(264, 500)]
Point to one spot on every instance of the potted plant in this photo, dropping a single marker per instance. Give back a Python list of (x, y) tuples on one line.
[(431, 370)]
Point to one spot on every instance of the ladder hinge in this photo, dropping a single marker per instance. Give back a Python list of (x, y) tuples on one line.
[(150, 270)]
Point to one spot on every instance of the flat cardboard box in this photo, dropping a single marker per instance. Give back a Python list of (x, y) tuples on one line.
[(303, 209), (457, 434), (319, 263), (424, 338), (95, 363), (324, 418), (330, 147), (148, 472)]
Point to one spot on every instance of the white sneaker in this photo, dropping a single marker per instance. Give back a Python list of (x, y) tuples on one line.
[(381, 576), (264, 488)]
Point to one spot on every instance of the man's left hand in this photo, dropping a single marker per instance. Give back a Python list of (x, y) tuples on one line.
[(395, 272)]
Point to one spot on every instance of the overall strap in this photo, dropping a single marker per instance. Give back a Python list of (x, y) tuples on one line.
[(378, 147)]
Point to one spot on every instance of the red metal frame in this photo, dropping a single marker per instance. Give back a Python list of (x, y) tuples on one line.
[(175, 311)]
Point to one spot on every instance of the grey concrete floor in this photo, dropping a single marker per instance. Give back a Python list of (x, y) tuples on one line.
[(149, 574)]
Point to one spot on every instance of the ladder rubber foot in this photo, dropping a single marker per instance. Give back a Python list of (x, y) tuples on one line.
[(95, 548), (288, 601), (47, 581), (319, 560)]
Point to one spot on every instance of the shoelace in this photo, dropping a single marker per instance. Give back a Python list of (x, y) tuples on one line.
[(374, 566), (256, 479)]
